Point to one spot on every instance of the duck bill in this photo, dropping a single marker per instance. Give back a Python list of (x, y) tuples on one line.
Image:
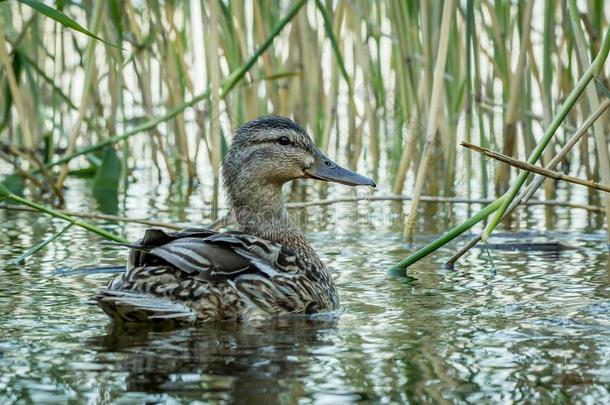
[(327, 170)]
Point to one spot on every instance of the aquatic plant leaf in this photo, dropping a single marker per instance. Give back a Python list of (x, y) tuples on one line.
[(224, 146), (116, 16), (107, 200), (107, 176), (4, 192), (106, 182), (17, 68), (86, 172), (13, 183), (62, 19), (48, 146), (40, 245)]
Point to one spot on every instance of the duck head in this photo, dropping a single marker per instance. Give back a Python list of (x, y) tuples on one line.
[(265, 154), (275, 150)]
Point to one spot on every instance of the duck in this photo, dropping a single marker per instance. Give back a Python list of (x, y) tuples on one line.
[(264, 269)]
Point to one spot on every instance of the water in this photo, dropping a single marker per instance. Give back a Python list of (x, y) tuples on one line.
[(538, 330)]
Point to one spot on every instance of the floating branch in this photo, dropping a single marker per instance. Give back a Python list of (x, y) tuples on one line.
[(435, 199)]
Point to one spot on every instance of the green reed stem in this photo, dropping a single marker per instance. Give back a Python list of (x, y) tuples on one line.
[(505, 200), (41, 245), (235, 77), (5, 193), (227, 85), (589, 74), (328, 27), (399, 268)]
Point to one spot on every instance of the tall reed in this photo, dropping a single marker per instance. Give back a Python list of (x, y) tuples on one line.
[(386, 87)]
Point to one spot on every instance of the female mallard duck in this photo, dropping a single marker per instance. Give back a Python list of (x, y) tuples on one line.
[(267, 269)]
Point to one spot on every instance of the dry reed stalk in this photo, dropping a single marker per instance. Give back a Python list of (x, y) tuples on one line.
[(593, 100), (435, 104), (85, 98), (512, 112), (406, 93), (268, 68), (144, 79), (214, 77), (28, 140), (179, 46), (175, 97)]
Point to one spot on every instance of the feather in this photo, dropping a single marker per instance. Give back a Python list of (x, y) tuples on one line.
[(130, 306), (89, 270), (202, 275)]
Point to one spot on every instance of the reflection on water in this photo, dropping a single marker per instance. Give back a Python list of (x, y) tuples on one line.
[(223, 361), (536, 331)]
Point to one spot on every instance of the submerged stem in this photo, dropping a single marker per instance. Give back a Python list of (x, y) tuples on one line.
[(6, 193)]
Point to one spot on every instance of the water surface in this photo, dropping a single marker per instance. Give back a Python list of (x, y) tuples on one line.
[(537, 329)]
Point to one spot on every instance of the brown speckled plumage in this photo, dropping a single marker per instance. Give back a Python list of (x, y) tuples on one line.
[(267, 269)]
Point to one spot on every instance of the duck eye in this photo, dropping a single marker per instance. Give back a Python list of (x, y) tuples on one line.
[(284, 140)]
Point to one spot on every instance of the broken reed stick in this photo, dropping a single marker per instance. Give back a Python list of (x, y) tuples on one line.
[(519, 164), (497, 214), (525, 196)]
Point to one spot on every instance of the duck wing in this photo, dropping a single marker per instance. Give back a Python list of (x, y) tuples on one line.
[(209, 255)]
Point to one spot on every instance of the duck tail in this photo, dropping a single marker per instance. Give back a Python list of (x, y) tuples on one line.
[(127, 306)]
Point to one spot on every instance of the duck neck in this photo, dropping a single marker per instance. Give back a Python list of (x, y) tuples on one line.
[(259, 210)]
